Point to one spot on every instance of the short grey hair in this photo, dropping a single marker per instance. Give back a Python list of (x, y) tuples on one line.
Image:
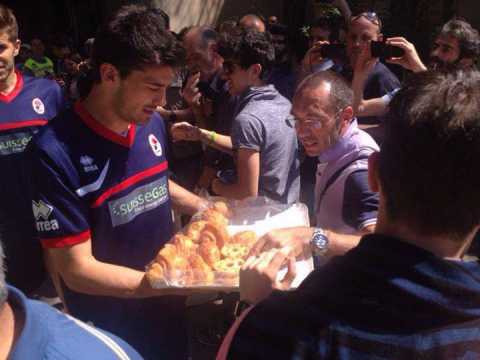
[(341, 95), (3, 284), (206, 34)]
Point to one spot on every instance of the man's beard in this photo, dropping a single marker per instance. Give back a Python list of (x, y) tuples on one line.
[(440, 65)]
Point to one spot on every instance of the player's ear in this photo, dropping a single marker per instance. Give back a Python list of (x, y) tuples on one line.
[(109, 73)]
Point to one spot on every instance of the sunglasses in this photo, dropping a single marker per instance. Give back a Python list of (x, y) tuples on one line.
[(370, 16)]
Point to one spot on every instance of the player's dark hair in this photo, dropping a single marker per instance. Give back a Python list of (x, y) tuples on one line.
[(133, 38), (8, 23)]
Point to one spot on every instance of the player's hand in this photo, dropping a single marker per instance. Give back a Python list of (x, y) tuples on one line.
[(410, 60), (191, 94), (258, 277), (184, 131)]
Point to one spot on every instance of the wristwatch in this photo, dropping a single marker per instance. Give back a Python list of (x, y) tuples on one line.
[(319, 242)]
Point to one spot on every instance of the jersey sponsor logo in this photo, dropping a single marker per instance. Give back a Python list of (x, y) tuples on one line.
[(155, 145), (42, 212), (14, 143), (38, 106), (88, 163), (139, 201)]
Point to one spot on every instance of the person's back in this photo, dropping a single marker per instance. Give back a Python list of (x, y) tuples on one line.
[(385, 299), (261, 125), (404, 291)]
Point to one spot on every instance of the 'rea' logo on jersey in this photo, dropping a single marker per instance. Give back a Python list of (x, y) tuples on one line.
[(88, 163), (155, 145), (38, 106), (42, 212)]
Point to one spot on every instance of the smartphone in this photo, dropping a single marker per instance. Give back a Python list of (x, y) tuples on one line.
[(381, 49), (333, 51)]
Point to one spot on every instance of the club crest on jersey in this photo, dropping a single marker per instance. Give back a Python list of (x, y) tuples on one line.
[(38, 106), (87, 162), (155, 145), (42, 212)]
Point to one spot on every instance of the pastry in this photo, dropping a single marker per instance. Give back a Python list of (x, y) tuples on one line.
[(184, 244), (201, 272), (194, 230), (213, 216), (219, 231), (247, 238), (227, 271), (222, 208), (156, 274), (208, 248), (235, 251)]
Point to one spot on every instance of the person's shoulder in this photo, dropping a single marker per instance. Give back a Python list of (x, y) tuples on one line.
[(40, 83), (382, 72), (73, 339), (58, 130)]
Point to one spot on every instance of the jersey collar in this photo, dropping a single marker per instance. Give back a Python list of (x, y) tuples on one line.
[(16, 90), (103, 131)]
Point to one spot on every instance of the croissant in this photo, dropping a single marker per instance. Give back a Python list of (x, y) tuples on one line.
[(219, 232), (156, 274), (213, 216), (185, 244), (208, 248), (201, 272), (194, 229), (222, 208)]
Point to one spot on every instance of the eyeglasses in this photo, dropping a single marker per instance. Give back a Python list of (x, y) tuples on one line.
[(370, 16), (308, 124)]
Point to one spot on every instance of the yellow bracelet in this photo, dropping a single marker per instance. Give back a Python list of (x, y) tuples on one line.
[(212, 136)]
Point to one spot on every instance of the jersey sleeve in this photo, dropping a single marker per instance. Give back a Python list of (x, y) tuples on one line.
[(360, 204), (61, 216), (247, 133)]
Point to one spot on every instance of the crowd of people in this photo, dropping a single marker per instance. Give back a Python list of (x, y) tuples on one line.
[(100, 154)]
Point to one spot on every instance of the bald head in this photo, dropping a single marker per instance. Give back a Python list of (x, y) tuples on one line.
[(252, 22), (339, 94), (200, 45)]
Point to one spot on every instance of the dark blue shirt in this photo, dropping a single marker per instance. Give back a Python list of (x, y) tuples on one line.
[(91, 183), (384, 299), (30, 105), (49, 334)]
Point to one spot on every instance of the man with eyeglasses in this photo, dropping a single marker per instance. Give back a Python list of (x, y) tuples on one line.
[(363, 29), (405, 292), (345, 207)]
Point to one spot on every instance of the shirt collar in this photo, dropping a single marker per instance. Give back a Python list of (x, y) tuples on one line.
[(103, 131), (343, 146), (16, 90)]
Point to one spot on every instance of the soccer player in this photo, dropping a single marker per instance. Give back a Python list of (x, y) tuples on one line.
[(101, 191), (26, 104)]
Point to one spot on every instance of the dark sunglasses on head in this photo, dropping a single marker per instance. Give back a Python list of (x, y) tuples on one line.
[(370, 16)]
